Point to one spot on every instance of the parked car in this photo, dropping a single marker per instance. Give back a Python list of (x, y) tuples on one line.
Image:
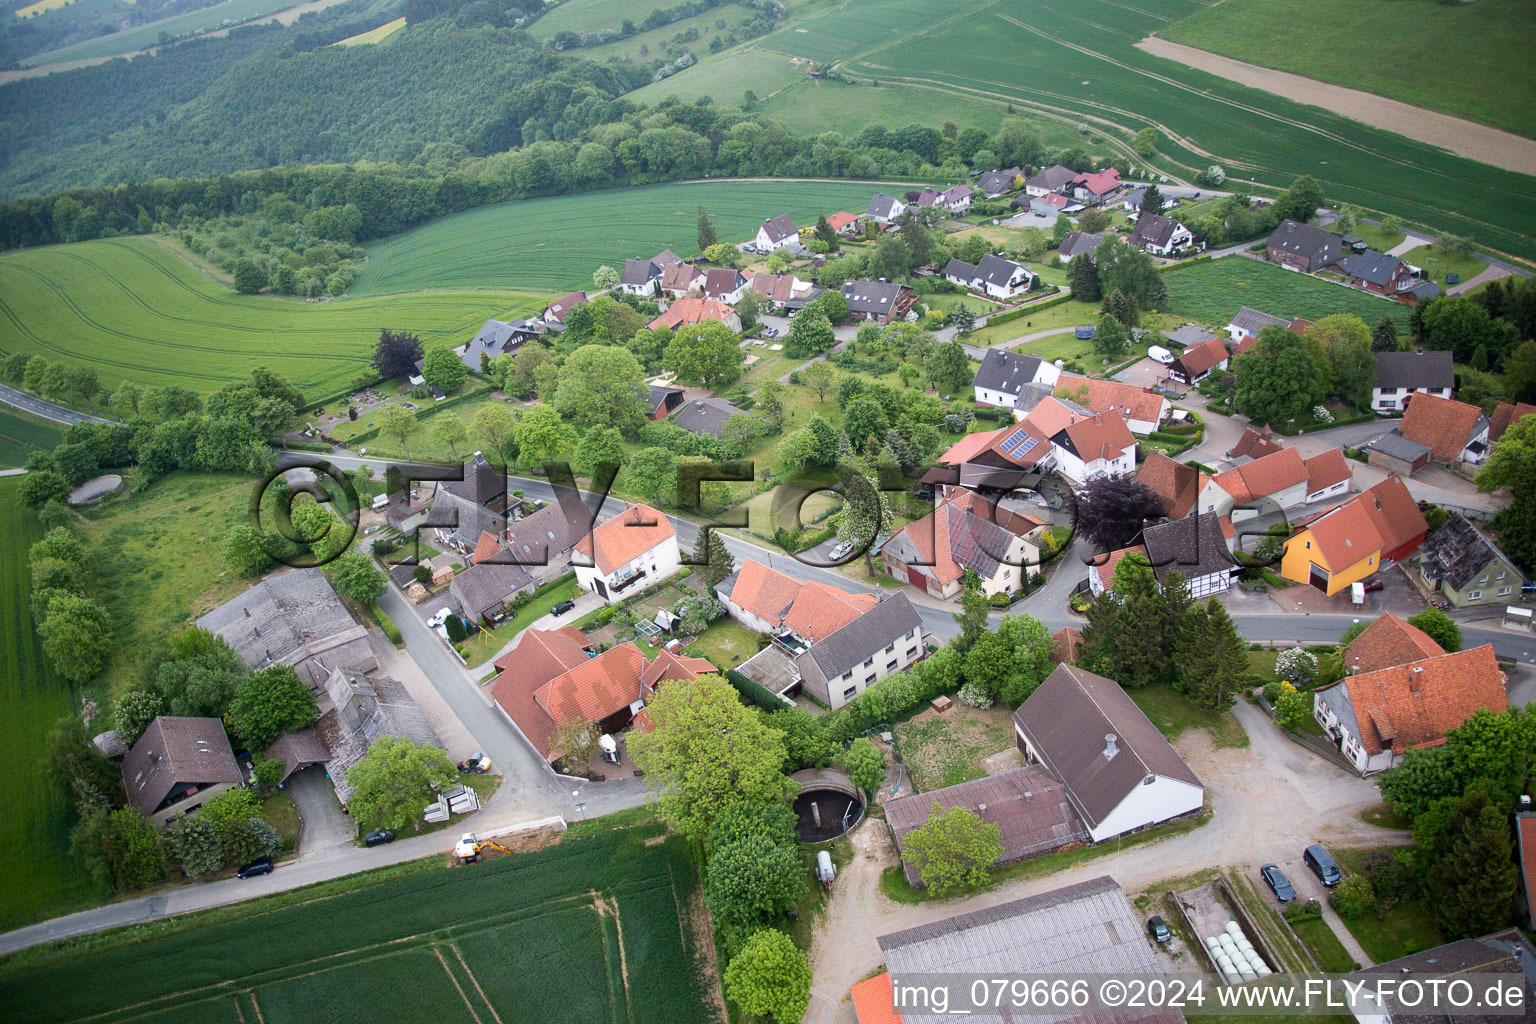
[(1158, 928), (1277, 882), (772, 332), (439, 617), (378, 837), (562, 607), (1371, 586), (263, 866), (842, 550), (923, 494), (1322, 865), (476, 764), (1160, 355)]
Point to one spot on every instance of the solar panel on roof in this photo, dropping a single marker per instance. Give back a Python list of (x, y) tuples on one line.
[(1014, 440)]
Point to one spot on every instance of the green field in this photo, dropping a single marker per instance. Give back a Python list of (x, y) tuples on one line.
[(724, 77), (1383, 46), (587, 930), (141, 36), (20, 434), (554, 244), (1209, 293), (134, 310), (590, 16), (37, 876), (1077, 65)]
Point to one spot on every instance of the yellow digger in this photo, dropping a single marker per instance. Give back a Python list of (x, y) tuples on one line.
[(468, 848)]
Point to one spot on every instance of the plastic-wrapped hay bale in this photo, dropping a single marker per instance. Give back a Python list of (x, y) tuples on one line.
[(1234, 929)]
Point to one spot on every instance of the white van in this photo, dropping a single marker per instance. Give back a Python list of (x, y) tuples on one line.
[(1160, 354)]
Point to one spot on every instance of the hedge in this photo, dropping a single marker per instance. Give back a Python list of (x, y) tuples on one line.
[(1029, 310), (387, 624), (1342, 421), (1186, 263), (752, 693)]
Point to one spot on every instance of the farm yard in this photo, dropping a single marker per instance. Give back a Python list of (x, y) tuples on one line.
[(1209, 293), (554, 244), (594, 929), (1379, 46), (136, 311), (35, 880)]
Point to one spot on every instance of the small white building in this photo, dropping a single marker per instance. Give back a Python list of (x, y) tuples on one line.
[(1100, 445), (1400, 374), (778, 233), (993, 276), (884, 209), (1001, 377), (1119, 772), (634, 550)]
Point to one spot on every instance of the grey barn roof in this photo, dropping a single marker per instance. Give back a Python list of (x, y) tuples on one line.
[(355, 711), (995, 183), (481, 483), (705, 416), (292, 618), (878, 297), (1193, 546), (871, 632), (1155, 229), (1066, 720), (998, 271), (639, 272), (780, 228), (880, 206), (1397, 446), (1190, 334), (552, 530), (1458, 552), (1252, 320), (1076, 243), (1053, 178), (1434, 368), (1006, 372), (1029, 807), (1376, 267), (1320, 248), (484, 585), (176, 751)]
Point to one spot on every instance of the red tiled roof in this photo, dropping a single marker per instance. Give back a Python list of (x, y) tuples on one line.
[(1394, 512), (597, 687), (1103, 437), (1016, 523), (487, 546), (972, 445), (1245, 345), (1177, 484), (1442, 424), (874, 1002), (541, 656), (1130, 401), (669, 667), (814, 610), (1107, 566), (1507, 415), (1254, 444), (1386, 642), (1198, 358), (1264, 476), (1345, 536), (680, 276), (930, 534), (625, 537), (1067, 642), (691, 310), (1050, 417), (1414, 705), (1326, 469), (1100, 182)]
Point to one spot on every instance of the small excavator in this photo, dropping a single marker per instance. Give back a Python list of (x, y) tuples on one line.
[(468, 848)]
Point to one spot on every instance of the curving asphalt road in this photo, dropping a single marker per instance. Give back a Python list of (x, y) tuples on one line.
[(47, 410)]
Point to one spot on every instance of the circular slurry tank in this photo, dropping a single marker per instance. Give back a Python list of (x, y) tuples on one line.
[(96, 488), (828, 805)]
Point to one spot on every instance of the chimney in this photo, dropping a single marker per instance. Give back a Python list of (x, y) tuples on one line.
[(1110, 750), (1416, 680)]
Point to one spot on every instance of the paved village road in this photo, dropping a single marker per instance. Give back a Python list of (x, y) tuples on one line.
[(47, 410)]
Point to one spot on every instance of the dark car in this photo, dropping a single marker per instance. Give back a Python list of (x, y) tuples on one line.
[(1277, 882), (1372, 586), (562, 607), (378, 837), (1322, 865), (1158, 928), (256, 867)]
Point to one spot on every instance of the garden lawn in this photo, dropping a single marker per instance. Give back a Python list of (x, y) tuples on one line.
[(945, 750), (21, 434), (726, 643), (1173, 713), (1378, 237), (38, 877), (134, 310), (554, 244), (1209, 293), (482, 647), (1407, 928), (1436, 262), (1324, 946)]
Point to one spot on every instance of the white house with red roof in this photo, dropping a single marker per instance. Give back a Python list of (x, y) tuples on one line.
[(1095, 187), (1090, 446), (1280, 480), (964, 533), (634, 550)]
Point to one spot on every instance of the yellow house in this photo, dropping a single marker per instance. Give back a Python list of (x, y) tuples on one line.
[(1340, 547)]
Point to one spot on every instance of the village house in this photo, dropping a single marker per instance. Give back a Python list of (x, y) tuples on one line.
[(723, 284), (1355, 538), (1177, 484), (554, 314), (954, 200), (1279, 480), (485, 591), (995, 183), (934, 553), (706, 416), (523, 557), (1298, 246), (1246, 324), (1505, 416), (1096, 187), (680, 279), (1375, 717), (1198, 362), (1460, 563), (785, 290), (1002, 460), (1031, 810), (1454, 432), (778, 233), (1142, 408), (1387, 642), (1161, 235), (637, 546), (1049, 179), (498, 338), (355, 711), (1251, 445), (476, 503), (880, 301), (843, 222), (1068, 640), (1133, 202), (178, 765), (1078, 243), (884, 209), (1100, 445), (1400, 374), (293, 618), (643, 277), (1195, 547), (662, 400), (1119, 772), (1048, 206), (1376, 272), (1002, 376), (993, 276), (686, 312)]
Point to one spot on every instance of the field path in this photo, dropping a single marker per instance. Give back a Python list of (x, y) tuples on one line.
[(1457, 135)]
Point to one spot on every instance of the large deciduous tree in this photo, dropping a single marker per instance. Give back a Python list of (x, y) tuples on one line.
[(444, 368), (542, 437), (1440, 627), (1111, 510), (810, 334), (601, 386), (769, 977), (356, 576), (394, 780), (820, 377), (396, 353), (707, 354), (400, 423), (270, 702), (1276, 380), (492, 429), (1346, 343), (753, 880), (706, 752), (953, 850), (947, 368)]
